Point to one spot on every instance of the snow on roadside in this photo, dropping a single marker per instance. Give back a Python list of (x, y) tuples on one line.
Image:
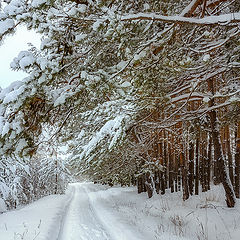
[(166, 217), (40, 220), (126, 215), (118, 228)]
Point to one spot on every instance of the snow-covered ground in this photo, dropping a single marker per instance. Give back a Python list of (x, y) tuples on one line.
[(40, 220), (96, 212)]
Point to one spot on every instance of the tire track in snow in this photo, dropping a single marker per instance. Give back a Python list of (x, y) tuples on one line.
[(80, 221)]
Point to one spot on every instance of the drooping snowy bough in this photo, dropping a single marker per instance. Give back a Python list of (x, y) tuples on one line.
[(129, 87)]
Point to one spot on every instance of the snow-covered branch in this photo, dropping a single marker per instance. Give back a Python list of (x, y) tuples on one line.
[(211, 20)]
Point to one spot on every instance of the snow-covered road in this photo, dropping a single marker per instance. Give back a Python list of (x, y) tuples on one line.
[(80, 221), (86, 212), (95, 212)]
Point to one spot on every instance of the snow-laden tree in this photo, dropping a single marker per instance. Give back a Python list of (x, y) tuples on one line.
[(105, 66), (14, 182), (49, 174)]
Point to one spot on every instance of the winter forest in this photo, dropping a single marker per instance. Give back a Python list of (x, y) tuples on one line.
[(142, 94)]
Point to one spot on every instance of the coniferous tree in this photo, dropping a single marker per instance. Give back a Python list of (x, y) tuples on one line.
[(108, 73)]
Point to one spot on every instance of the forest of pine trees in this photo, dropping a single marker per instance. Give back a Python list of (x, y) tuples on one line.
[(143, 93)]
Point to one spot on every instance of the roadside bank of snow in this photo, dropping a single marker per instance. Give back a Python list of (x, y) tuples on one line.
[(166, 217), (39, 220), (114, 224)]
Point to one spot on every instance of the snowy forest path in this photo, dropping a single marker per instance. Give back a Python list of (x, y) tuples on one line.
[(80, 221)]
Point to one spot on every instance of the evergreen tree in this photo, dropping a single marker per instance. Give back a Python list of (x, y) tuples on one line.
[(111, 73)]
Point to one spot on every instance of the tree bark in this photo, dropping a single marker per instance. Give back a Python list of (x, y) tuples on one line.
[(140, 184), (209, 163), (202, 164), (157, 181), (171, 161), (184, 177), (197, 167), (149, 186), (237, 161), (165, 160), (56, 177), (229, 154), (218, 153), (191, 168)]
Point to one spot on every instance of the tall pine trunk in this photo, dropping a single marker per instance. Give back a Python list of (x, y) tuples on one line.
[(229, 154), (218, 152), (209, 162), (237, 161), (184, 177), (191, 168), (197, 166)]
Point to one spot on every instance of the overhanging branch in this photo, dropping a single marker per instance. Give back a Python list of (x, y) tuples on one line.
[(224, 19)]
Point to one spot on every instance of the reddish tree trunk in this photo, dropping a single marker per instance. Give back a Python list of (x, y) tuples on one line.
[(191, 168), (209, 162), (197, 167), (237, 161), (218, 153), (229, 154)]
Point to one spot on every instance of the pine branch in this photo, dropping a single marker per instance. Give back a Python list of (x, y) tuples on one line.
[(224, 19)]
